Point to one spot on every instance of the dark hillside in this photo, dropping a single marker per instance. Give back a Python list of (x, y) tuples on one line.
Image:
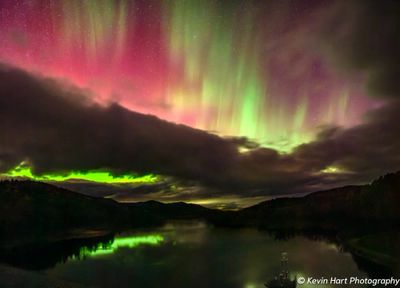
[(376, 203), (36, 210)]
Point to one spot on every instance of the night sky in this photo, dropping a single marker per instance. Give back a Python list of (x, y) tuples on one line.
[(221, 103)]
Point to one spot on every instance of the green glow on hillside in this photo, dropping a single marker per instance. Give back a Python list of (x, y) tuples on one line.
[(127, 242), (96, 176)]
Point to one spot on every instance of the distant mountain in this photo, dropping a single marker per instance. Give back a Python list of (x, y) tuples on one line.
[(175, 211), (375, 203)]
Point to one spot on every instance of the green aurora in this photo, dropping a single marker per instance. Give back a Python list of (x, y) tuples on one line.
[(24, 171)]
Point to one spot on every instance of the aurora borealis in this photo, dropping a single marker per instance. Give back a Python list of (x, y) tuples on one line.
[(96, 176), (252, 98), (240, 69)]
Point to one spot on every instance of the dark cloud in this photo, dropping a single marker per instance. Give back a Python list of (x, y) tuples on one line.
[(118, 191), (367, 150), (364, 35), (57, 129)]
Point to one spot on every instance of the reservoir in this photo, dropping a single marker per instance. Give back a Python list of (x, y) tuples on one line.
[(188, 254)]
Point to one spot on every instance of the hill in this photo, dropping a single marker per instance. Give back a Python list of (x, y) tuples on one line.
[(176, 210), (37, 210), (375, 203)]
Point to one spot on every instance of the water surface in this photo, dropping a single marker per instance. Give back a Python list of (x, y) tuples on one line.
[(195, 255)]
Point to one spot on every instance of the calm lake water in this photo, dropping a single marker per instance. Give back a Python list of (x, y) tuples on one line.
[(194, 255)]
